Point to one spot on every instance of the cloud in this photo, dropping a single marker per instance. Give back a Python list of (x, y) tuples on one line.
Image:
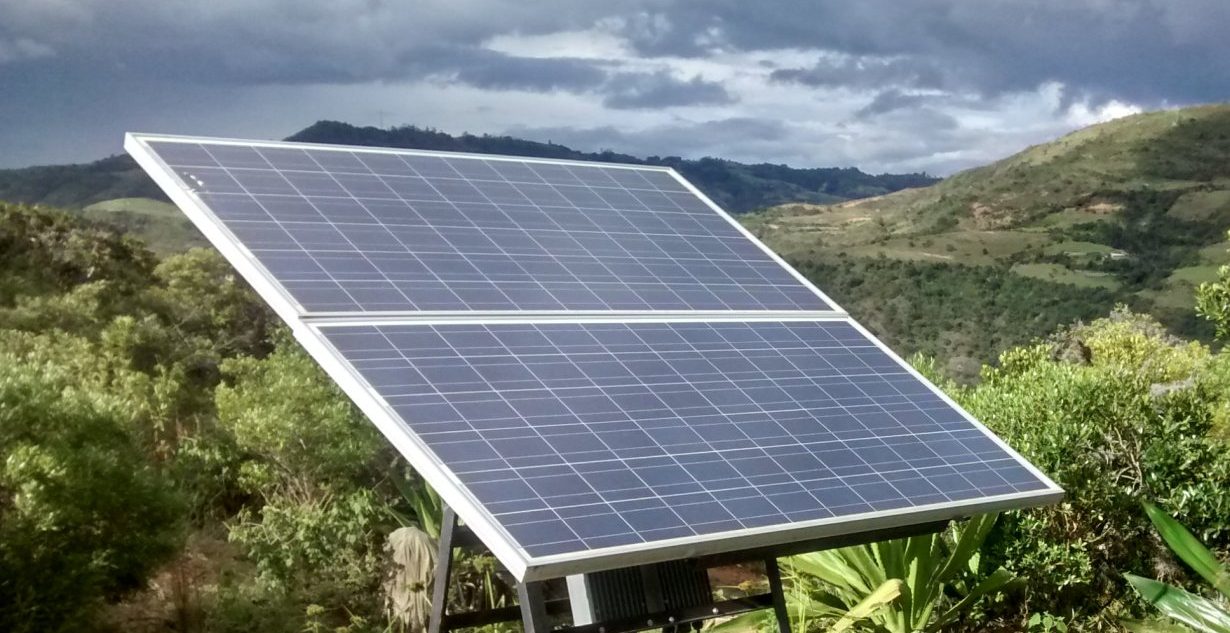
[(661, 89), (889, 100), (881, 84), (256, 42), (504, 72), (1133, 50), (835, 70), (21, 49)]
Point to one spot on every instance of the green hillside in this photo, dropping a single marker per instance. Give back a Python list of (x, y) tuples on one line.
[(161, 225), (77, 186), (1134, 210)]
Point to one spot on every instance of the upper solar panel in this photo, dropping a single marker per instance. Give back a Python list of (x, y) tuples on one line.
[(345, 230)]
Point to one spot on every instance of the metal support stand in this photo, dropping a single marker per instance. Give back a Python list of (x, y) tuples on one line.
[(444, 568), (673, 596), (779, 596), (533, 607)]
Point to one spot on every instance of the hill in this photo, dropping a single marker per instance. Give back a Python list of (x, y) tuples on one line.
[(77, 186), (737, 187), (1134, 210), (130, 194)]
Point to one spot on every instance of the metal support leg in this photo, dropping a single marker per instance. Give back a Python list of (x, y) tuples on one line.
[(444, 567), (779, 596), (533, 607)]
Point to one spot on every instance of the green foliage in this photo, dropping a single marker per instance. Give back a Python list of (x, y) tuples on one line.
[(1111, 410), (963, 314), (1197, 612), (202, 296), (916, 584), (1213, 301), (84, 516), (43, 252), (196, 398), (300, 434), (1043, 622), (329, 544), (427, 506), (316, 464)]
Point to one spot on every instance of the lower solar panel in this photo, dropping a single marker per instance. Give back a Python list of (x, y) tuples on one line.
[(576, 439)]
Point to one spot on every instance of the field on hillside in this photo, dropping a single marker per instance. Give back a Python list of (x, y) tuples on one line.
[(1133, 211), (160, 224)]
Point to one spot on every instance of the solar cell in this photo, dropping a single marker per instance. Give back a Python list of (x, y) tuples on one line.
[(357, 230), (580, 438)]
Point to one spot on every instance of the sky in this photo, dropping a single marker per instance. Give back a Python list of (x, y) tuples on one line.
[(883, 85)]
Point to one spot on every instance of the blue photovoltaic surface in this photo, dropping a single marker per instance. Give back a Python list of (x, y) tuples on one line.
[(375, 231), (577, 437)]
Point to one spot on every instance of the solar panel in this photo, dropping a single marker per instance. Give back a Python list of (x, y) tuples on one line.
[(374, 230), (579, 439), (594, 365)]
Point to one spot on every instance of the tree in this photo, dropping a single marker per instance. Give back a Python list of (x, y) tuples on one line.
[(1112, 410), (1213, 301), (84, 516), (316, 466)]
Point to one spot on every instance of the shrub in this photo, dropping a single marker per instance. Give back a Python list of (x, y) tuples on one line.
[(1113, 410), (84, 516)]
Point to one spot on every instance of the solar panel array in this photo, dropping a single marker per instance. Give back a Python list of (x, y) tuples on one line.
[(627, 430), (584, 436), (374, 231)]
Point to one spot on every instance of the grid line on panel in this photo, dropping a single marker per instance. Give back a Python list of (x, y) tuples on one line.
[(271, 216), (664, 253), (764, 459), (587, 250), (339, 235), (558, 518), (561, 229), (501, 249)]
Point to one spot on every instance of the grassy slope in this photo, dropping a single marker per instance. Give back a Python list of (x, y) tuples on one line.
[(1136, 207), (160, 224)]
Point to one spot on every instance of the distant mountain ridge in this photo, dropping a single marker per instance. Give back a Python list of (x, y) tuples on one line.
[(736, 186)]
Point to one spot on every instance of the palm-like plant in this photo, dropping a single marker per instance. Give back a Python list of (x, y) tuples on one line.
[(908, 585), (1195, 611)]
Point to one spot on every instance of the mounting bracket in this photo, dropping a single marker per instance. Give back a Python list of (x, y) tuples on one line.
[(674, 596)]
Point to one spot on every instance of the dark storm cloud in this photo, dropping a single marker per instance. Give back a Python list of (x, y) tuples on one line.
[(661, 89), (504, 72), (902, 77), (278, 41), (864, 72), (888, 101), (1141, 50)]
